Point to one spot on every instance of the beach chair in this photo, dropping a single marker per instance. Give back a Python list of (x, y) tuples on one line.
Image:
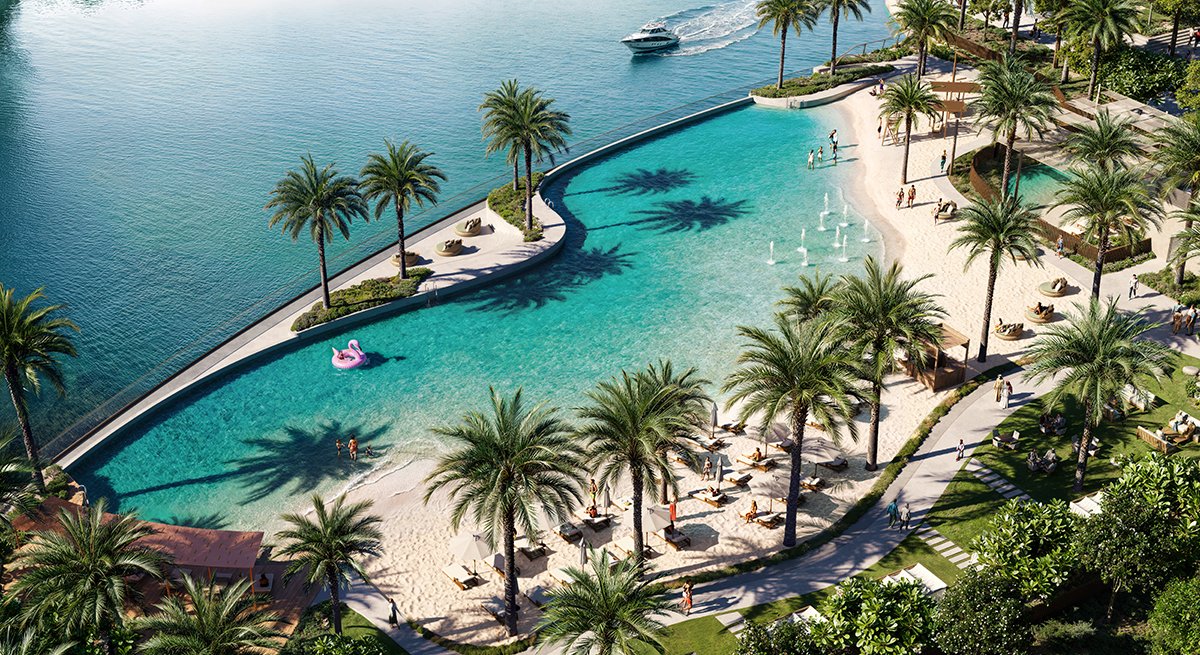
[(538, 595), (529, 549), (813, 483), (673, 538), (561, 576), (765, 464), (712, 445), (568, 532), (784, 444), (769, 520), (739, 478), (448, 248), (469, 228), (716, 500), (496, 563), (734, 428), (838, 463), (495, 607), (628, 548), (461, 577), (596, 523)]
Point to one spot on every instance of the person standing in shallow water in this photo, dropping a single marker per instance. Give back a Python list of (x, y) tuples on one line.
[(353, 446), (338, 443)]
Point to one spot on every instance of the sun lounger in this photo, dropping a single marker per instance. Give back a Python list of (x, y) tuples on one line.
[(813, 483), (461, 576), (623, 503), (625, 545), (740, 478), (1055, 288), (764, 464), (530, 550), (561, 576), (673, 538), (1009, 331), (469, 228), (838, 463), (710, 444), (716, 500), (568, 532), (769, 520), (538, 595), (596, 523), (734, 428), (1045, 316), (496, 563), (495, 607), (783, 444)]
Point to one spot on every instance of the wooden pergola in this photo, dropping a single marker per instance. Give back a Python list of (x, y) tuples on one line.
[(939, 369)]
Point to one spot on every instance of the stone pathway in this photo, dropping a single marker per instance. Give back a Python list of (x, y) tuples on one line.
[(946, 548), (997, 482)]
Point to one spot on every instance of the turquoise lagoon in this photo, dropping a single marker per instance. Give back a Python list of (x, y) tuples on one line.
[(666, 254), (139, 140), (1039, 184)]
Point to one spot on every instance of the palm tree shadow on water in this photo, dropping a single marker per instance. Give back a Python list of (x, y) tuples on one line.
[(686, 215), (644, 181)]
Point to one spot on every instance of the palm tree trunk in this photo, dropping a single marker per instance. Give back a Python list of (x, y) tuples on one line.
[(782, 50), (1017, 11), (638, 537), (962, 15), (324, 275), (1057, 47), (335, 597), (907, 141), (993, 271), (510, 574), (1187, 225), (921, 59), (400, 243), (1085, 442), (1174, 32), (1095, 69), (1008, 153), (1066, 74), (799, 416), (663, 488), (834, 15), (1100, 253), (873, 439), (516, 174), (17, 392), (528, 188)]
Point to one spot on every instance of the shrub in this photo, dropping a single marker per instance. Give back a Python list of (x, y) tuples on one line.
[(1188, 93), (364, 295), (343, 645), (1133, 72), (1030, 543), (878, 56), (1175, 619), (783, 638), (509, 203), (817, 82), (982, 614), (876, 617), (57, 482), (1062, 637), (1163, 281)]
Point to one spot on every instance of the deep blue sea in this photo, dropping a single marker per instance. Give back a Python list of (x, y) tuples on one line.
[(139, 139)]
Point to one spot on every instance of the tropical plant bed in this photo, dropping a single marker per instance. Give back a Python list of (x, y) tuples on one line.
[(1163, 281), (364, 295), (313, 635), (877, 56), (817, 82), (509, 203)]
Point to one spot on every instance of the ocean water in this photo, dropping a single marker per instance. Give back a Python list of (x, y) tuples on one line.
[(139, 139), (667, 253)]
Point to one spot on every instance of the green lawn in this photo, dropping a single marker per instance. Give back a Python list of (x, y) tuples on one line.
[(312, 625), (706, 636)]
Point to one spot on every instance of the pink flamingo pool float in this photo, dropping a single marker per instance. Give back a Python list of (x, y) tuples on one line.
[(351, 357)]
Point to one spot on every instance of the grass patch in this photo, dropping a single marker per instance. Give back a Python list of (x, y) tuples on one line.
[(509, 203), (364, 295), (315, 623), (511, 648), (817, 82)]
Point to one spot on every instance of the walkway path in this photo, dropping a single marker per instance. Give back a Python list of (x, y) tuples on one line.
[(946, 548), (997, 482)]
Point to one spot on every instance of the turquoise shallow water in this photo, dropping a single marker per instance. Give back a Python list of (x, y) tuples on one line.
[(666, 254), (139, 138), (1039, 184)]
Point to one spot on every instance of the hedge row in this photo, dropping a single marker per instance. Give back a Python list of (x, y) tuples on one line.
[(817, 82), (364, 295), (509, 203)]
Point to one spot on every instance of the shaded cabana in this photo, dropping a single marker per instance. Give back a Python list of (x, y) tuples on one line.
[(217, 554), (941, 370)]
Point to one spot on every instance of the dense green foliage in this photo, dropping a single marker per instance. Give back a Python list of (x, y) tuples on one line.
[(1141, 74), (982, 614), (1175, 620), (1188, 93), (364, 295), (782, 638), (1030, 543), (872, 617), (509, 203), (817, 82), (1163, 281)]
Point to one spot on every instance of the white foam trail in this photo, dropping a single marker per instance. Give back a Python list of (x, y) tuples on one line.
[(711, 27)]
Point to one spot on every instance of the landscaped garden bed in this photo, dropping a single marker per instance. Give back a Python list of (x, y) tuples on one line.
[(509, 203), (364, 295), (817, 82)]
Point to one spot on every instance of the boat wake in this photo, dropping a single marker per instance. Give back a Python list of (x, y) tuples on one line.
[(711, 27)]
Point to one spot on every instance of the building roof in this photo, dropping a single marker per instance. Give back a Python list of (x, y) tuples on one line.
[(199, 548), (952, 338)]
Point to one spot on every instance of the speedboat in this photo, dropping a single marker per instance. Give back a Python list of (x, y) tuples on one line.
[(652, 36)]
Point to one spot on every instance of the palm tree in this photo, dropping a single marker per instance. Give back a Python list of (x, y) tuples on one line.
[(1018, 9), (1012, 100), (30, 642), (403, 178), (1093, 355), (784, 15), (1188, 241), (1002, 231), (812, 299), (211, 621), (74, 578), (31, 339), (1107, 201), (326, 550), (540, 130), (503, 471), (796, 372), (883, 314), (498, 108), (692, 403), (608, 610), (320, 201), (1108, 142), (630, 423), (1103, 23), (1178, 161), (837, 10), (925, 21), (16, 491), (908, 99)]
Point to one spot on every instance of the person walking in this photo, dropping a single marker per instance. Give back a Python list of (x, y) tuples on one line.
[(1007, 395), (1176, 321), (1189, 320), (959, 450), (707, 473), (686, 603), (899, 197), (998, 386), (942, 166), (1058, 246), (912, 195), (905, 516), (393, 613), (893, 514), (1133, 287)]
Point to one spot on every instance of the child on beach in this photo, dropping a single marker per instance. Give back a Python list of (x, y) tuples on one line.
[(339, 447), (821, 155)]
